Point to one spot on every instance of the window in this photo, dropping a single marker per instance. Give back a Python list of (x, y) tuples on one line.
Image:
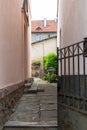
[(49, 35), (38, 37)]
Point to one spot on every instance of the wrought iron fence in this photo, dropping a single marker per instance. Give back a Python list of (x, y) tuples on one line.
[(72, 75)]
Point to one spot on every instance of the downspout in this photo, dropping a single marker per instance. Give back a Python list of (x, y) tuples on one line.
[(57, 19), (26, 19), (57, 42), (57, 61)]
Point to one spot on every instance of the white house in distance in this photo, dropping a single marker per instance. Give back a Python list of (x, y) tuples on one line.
[(72, 29), (44, 39), (43, 29)]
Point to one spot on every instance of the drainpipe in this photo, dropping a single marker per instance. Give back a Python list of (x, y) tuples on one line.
[(57, 61), (57, 40), (57, 19)]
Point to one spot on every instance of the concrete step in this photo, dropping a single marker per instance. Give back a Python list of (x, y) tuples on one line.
[(32, 89), (30, 80), (17, 125), (28, 85), (40, 89)]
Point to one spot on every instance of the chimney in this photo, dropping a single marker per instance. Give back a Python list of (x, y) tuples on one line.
[(45, 22), (55, 20)]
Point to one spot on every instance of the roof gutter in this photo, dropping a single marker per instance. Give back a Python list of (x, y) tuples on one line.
[(44, 39)]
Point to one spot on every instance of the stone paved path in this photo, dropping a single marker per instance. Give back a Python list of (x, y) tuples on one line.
[(39, 107)]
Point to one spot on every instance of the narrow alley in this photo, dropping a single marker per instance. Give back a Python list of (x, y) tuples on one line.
[(37, 109)]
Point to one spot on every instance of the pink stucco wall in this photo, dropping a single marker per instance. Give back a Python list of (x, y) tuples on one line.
[(11, 48)]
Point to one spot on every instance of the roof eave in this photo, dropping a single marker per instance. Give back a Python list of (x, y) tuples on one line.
[(43, 31)]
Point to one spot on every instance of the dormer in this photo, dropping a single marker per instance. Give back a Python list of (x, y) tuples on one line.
[(38, 29)]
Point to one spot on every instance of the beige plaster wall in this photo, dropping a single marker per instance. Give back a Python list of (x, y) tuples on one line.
[(42, 48), (11, 48)]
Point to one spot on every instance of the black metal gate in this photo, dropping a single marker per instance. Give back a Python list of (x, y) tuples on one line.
[(72, 75)]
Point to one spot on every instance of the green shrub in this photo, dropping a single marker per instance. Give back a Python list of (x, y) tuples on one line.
[(50, 61), (50, 77), (45, 77), (37, 63), (53, 77)]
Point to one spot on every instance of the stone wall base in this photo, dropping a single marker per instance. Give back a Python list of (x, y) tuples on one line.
[(8, 100)]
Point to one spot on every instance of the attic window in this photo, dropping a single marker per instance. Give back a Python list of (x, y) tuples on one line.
[(38, 29)]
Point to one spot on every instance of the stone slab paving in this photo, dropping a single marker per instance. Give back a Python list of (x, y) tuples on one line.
[(38, 108)]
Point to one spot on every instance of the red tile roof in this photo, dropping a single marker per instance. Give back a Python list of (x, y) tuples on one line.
[(38, 26)]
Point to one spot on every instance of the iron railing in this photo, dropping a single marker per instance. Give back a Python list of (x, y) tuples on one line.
[(72, 75)]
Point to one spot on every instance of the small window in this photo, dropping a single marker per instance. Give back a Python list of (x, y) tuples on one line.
[(38, 37), (49, 36)]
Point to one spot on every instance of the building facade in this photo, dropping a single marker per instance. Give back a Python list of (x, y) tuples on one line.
[(14, 53), (72, 64), (43, 29), (44, 40), (13, 35), (41, 49)]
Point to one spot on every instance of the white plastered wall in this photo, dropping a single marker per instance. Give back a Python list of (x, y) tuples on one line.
[(72, 18)]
